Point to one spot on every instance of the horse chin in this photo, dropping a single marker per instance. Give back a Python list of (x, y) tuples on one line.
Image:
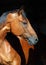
[(31, 43)]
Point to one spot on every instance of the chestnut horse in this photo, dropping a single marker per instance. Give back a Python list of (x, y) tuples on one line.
[(17, 23)]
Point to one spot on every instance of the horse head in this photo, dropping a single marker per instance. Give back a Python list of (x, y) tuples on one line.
[(21, 27)]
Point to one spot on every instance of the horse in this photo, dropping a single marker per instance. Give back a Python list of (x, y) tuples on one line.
[(17, 23)]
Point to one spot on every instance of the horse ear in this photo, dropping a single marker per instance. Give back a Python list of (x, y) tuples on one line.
[(21, 10)]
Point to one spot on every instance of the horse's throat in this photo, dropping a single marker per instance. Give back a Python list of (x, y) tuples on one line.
[(25, 48)]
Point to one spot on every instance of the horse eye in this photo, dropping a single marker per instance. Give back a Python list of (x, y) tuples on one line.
[(24, 23)]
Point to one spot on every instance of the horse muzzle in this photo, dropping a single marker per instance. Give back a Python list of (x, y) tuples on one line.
[(32, 40)]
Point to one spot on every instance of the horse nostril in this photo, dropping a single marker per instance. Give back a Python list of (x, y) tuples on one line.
[(36, 39)]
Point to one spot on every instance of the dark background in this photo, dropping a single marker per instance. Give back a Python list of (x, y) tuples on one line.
[(36, 13)]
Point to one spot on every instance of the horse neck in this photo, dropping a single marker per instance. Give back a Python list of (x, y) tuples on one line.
[(25, 47)]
